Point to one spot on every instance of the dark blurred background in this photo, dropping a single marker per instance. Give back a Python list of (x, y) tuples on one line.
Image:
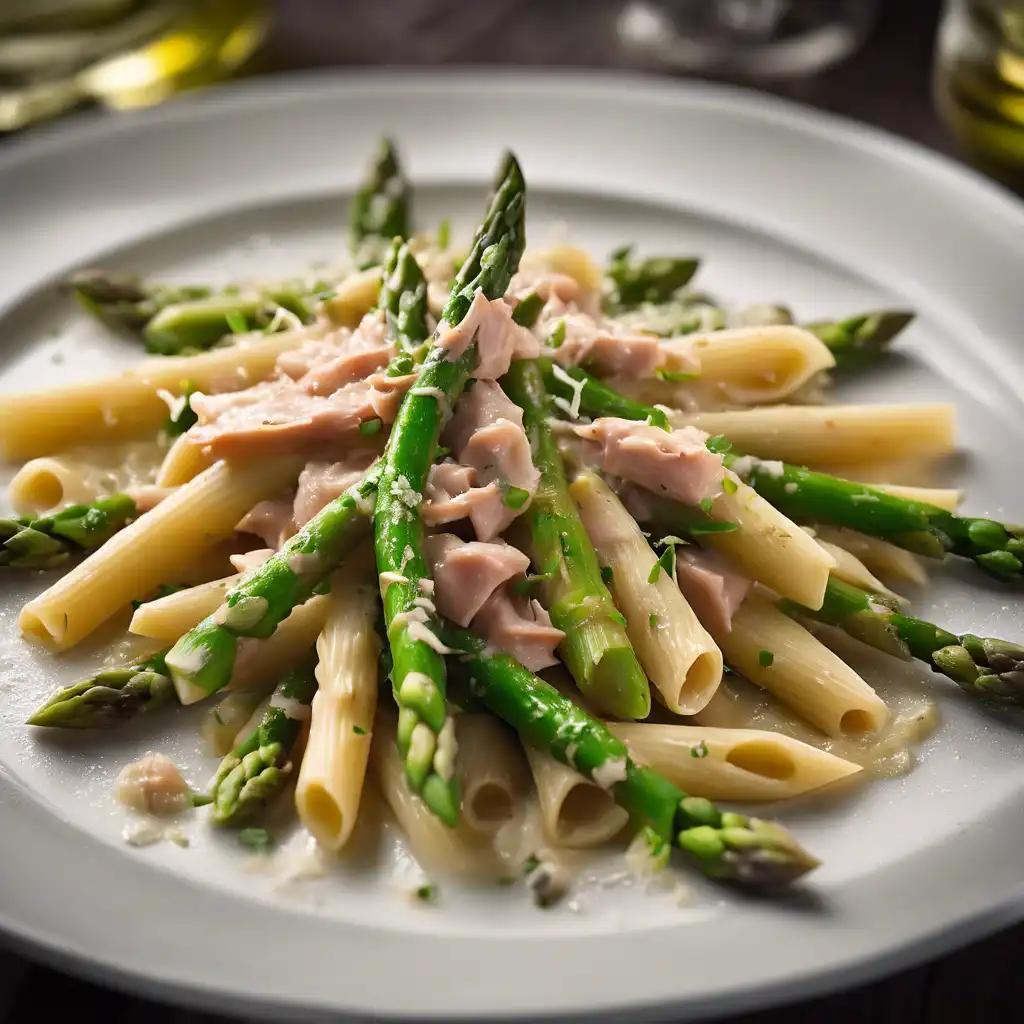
[(960, 91)]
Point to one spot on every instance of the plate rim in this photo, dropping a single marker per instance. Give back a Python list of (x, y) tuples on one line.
[(288, 89)]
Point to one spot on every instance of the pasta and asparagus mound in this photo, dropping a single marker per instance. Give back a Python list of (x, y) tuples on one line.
[(531, 495)]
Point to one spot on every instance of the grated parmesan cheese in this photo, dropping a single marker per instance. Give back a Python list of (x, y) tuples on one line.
[(573, 408)]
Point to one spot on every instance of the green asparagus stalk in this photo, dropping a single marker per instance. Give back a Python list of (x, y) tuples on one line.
[(179, 320), (596, 650), (202, 661), (860, 339), (992, 670), (925, 529), (109, 697), (596, 398), (725, 846), (255, 772), (49, 542), (403, 297), (182, 327), (655, 279), (418, 674), (379, 210)]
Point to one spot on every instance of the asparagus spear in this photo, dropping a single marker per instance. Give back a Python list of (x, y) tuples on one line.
[(49, 542), (418, 674), (596, 398), (916, 526), (379, 210), (859, 339), (254, 773), (983, 667), (202, 660), (596, 649), (725, 846), (403, 297), (108, 697), (655, 279), (177, 320)]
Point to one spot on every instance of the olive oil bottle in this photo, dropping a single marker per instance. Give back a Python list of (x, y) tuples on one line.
[(979, 82), (56, 55)]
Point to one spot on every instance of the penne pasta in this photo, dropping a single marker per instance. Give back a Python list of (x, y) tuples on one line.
[(839, 435), (752, 365), (39, 423), (493, 774), (852, 570), (330, 781), (575, 811), (137, 560), (169, 617), (769, 548), (948, 498), (565, 259), (778, 654), (732, 764), (455, 851), (46, 485), (353, 298), (184, 461), (879, 556), (676, 651)]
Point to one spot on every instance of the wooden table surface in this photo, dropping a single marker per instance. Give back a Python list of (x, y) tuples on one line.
[(887, 84)]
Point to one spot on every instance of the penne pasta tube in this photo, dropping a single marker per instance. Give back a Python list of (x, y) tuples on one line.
[(564, 259), (948, 498), (81, 475), (170, 617), (768, 547), (145, 554), (39, 423), (575, 811), (184, 461), (46, 485), (676, 651), (732, 764), (492, 772), (353, 298), (330, 782), (879, 556), (839, 435), (851, 569), (778, 654), (455, 851), (752, 365)]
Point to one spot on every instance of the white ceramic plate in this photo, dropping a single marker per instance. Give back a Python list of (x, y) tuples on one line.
[(783, 204)]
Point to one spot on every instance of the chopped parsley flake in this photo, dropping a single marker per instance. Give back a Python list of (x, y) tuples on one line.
[(719, 444), (712, 527), (516, 497), (258, 839), (667, 561), (653, 621), (530, 865), (729, 485), (765, 659), (707, 504), (699, 751), (557, 336), (675, 376), (183, 418), (358, 730), (371, 427), (425, 893)]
